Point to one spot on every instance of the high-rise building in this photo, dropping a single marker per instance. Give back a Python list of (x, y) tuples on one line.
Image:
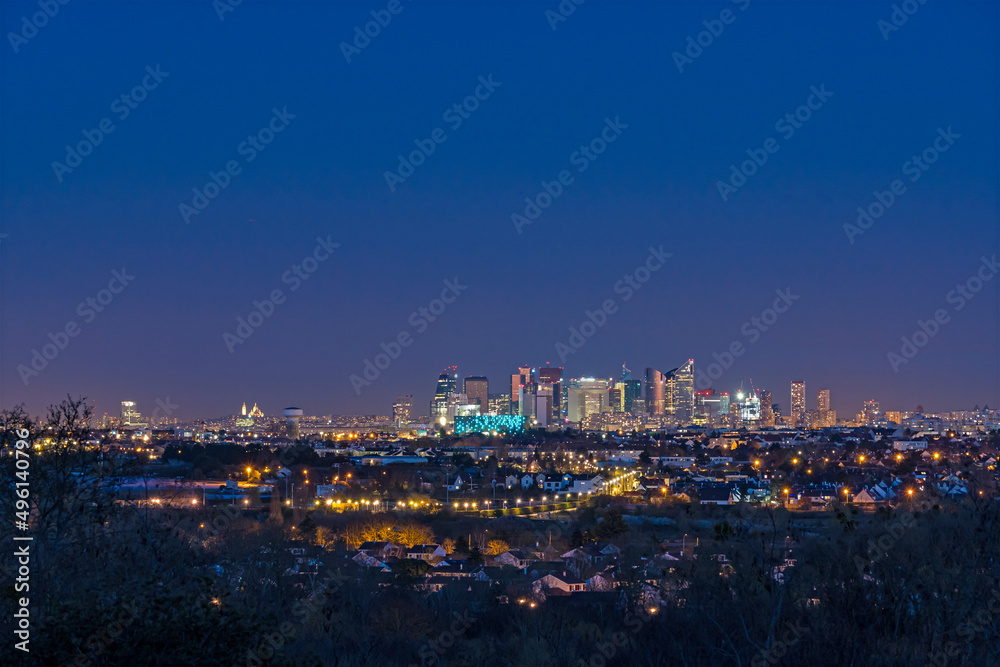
[(131, 417), (477, 388), (870, 412), (766, 411), (683, 392), (798, 411), (708, 407), (551, 377), (446, 385), (823, 409), (823, 400), (587, 396), (459, 405), (518, 380), (654, 391), (543, 404), (631, 391), (499, 404), (402, 409)]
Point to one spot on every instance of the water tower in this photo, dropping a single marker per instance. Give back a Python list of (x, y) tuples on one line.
[(292, 416)]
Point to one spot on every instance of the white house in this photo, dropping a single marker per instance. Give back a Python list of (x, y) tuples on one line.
[(564, 582), (909, 445), (586, 483), (426, 552)]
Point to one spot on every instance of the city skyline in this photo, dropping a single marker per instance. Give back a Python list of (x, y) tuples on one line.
[(451, 382), (617, 201)]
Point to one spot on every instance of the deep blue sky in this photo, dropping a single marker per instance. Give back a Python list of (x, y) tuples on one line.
[(323, 175)]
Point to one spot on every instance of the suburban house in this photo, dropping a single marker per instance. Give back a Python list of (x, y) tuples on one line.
[(715, 495), (586, 483), (556, 482), (564, 582), (381, 550), (426, 552), (514, 558)]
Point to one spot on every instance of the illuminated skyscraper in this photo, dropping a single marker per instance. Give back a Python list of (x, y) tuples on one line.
[(683, 392), (402, 409), (870, 412), (130, 416), (798, 410), (446, 384), (766, 412), (708, 407), (615, 397), (587, 396), (654, 391), (518, 380), (632, 391), (477, 388), (499, 404), (551, 377), (823, 408)]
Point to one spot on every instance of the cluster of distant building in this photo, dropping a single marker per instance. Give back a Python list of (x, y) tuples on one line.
[(543, 398)]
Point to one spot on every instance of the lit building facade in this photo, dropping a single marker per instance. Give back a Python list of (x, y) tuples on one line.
[(587, 396), (798, 409), (489, 424), (655, 385), (682, 392), (477, 388), (823, 409), (446, 384), (402, 409)]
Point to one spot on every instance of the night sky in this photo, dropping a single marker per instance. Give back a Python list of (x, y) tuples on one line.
[(521, 286)]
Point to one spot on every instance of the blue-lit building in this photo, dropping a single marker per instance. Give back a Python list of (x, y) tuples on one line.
[(489, 423)]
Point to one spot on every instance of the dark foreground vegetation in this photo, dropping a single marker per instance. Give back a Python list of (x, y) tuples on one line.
[(120, 584)]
